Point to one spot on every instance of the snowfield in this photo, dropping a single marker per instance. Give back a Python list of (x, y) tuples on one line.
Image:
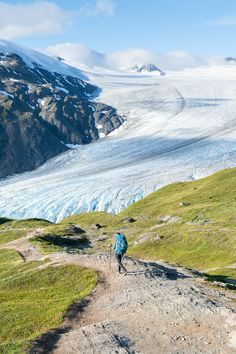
[(32, 57), (177, 128)]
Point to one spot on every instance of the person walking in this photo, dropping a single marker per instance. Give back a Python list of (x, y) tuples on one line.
[(120, 248)]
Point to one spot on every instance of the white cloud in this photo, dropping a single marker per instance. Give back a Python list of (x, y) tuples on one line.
[(99, 7), (166, 61), (128, 58), (223, 21), (178, 60), (81, 56), (36, 18), (78, 55)]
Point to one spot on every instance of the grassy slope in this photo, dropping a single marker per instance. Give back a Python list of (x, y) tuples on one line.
[(11, 230), (205, 236), (33, 300)]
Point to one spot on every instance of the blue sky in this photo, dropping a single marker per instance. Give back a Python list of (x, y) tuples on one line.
[(202, 27)]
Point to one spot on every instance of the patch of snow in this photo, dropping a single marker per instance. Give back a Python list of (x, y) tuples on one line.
[(67, 80), (32, 57), (41, 102), (83, 84), (56, 97), (14, 80), (71, 146), (92, 107), (6, 94), (100, 130), (62, 89)]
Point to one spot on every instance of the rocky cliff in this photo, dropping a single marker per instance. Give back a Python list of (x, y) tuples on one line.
[(42, 111)]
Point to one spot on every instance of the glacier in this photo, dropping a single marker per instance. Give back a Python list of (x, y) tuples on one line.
[(179, 127)]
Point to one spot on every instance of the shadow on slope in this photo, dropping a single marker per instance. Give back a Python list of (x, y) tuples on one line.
[(152, 270)]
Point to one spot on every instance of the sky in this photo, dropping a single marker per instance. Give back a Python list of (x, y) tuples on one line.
[(205, 28)]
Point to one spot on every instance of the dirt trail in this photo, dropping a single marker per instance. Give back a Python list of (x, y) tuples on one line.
[(154, 309), (28, 251)]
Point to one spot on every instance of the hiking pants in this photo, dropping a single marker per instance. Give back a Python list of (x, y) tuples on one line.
[(120, 265)]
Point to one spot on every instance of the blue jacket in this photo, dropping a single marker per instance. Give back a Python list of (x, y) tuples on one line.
[(121, 244)]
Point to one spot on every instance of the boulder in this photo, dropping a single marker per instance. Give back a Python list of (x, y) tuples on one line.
[(128, 219), (168, 218), (97, 226), (184, 204)]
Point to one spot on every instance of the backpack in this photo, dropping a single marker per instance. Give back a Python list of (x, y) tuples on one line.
[(121, 244)]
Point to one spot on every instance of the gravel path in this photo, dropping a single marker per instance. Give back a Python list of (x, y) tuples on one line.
[(155, 308)]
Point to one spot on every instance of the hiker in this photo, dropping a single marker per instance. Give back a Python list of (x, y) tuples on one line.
[(120, 248)]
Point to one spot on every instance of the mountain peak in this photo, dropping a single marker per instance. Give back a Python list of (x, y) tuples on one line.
[(44, 110), (147, 68), (230, 59)]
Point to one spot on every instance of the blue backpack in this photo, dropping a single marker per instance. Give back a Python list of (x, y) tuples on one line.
[(121, 244)]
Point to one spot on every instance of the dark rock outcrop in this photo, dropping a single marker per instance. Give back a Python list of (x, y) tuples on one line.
[(97, 226), (43, 111), (128, 219)]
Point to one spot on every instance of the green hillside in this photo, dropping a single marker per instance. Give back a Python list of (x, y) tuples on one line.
[(192, 224)]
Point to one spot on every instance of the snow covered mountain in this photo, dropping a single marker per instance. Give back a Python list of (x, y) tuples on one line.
[(147, 68), (44, 109), (230, 60)]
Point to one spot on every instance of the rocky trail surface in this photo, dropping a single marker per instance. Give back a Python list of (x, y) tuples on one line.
[(155, 308)]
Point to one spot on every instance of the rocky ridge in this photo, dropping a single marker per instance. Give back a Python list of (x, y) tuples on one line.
[(230, 60), (41, 112), (147, 68)]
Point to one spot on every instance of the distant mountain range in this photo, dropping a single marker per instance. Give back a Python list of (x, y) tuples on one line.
[(44, 109), (147, 68), (230, 59)]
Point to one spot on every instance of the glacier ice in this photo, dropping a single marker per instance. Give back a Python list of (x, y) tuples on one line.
[(176, 128)]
